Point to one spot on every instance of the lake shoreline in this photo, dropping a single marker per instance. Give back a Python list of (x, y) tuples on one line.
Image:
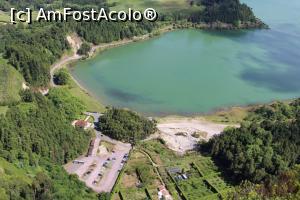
[(100, 48)]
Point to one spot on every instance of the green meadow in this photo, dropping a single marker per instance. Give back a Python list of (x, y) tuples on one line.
[(91, 103), (4, 17), (12, 80)]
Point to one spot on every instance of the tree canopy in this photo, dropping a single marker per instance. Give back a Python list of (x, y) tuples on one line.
[(126, 125), (62, 77), (227, 11), (84, 49), (267, 144)]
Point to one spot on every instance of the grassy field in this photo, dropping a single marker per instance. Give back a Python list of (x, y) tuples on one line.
[(10, 83), (204, 178), (92, 104), (4, 17), (9, 171), (234, 115), (3, 109), (109, 146)]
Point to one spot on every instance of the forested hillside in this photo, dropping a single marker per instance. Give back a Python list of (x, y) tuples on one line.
[(228, 11), (284, 186), (104, 32), (36, 135), (265, 146), (31, 50), (45, 182)]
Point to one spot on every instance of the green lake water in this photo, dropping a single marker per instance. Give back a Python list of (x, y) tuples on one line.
[(194, 71)]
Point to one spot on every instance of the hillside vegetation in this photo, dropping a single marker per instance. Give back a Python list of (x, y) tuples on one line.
[(10, 83), (37, 137), (266, 146), (92, 104), (227, 11)]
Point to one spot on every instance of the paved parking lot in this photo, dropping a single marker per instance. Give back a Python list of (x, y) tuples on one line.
[(100, 170)]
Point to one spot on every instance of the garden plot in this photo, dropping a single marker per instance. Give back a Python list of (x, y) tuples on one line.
[(206, 166), (202, 179), (139, 180), (191, 183)]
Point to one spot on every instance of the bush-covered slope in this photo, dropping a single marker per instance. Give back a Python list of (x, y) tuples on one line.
[(36, 138), (37, 183), (267, 144), (10, 83)]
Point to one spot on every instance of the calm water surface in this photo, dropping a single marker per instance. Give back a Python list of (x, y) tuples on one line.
[(194, 71)]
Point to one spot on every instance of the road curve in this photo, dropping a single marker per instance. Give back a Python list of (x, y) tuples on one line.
[(75, 43)]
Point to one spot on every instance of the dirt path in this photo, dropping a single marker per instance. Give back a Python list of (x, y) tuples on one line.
[(75, 43), (157, 172)]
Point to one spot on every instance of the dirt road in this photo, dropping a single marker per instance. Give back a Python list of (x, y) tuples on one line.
[(75, 43)]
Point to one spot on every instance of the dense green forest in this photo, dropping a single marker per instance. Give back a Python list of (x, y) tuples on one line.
[(126, 125), (283, 187), (227, 11), (31, 50), (266, 145), (28, 132), (45, 182), (103, 32), (37, 137)]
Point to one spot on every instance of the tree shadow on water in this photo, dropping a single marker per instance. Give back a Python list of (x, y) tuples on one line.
[(129, 97)]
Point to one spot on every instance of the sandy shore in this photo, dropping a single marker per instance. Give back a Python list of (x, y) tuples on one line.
[(184, 133)]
